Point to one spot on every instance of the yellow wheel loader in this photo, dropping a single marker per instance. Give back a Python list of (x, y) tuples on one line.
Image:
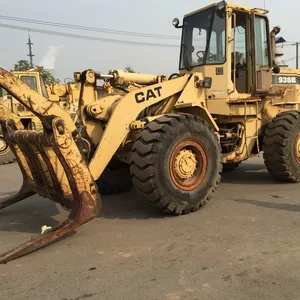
[(169, 136), (66, 95), (28, 119)]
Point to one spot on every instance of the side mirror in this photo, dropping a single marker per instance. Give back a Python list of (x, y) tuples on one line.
[(176, 23), (276, 30)]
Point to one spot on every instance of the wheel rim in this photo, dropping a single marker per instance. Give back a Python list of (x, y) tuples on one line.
[(297, 149), (3, 146), (188, 165)]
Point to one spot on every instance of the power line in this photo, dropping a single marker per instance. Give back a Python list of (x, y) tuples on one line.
[(71, 35), (290, 43), (290, 59), (87, 28), (94, 29)]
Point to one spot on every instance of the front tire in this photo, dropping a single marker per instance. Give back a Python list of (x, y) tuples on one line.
[(115, 179), (282, 147), (176, 163)]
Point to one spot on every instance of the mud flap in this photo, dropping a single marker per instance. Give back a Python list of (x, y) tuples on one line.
[(53, 167)]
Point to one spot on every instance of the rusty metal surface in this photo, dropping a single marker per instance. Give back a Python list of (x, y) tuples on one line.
[(188, 165), (278, 91), (51, 164), (81, 195)]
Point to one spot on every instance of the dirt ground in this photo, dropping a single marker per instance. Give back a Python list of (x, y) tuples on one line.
[(243, 245)]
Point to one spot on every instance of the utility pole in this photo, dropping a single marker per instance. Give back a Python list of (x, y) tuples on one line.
[(297, 54), (31, 55)]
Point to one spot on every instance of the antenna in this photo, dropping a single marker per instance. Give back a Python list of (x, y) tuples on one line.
[(31, 55)]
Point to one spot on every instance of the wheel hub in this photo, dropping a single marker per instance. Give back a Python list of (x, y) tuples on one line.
[(185, 164), (188, 165)]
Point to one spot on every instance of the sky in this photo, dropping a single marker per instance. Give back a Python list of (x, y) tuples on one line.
[(68, 55)]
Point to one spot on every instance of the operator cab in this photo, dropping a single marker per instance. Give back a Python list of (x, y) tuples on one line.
[(203, 40), (228, 41)]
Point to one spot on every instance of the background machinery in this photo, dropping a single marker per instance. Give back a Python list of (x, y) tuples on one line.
[(66, 95)]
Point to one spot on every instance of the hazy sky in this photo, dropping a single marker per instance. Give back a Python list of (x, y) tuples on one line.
[(67, 55)]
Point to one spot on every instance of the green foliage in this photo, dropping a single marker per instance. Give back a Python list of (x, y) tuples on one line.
[(129, 69), (48, 77), (24, 65)]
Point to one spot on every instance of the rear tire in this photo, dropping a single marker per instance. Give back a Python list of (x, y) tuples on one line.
[(176, 163), (115, 178), (282, 147)]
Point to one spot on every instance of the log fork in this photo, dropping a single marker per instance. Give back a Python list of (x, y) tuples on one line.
[(51, 164)]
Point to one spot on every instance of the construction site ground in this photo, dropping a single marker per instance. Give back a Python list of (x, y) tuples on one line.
[(243, 245)]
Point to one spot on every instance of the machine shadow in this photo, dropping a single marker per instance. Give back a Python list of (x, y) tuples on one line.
[(249, 174), (272, 205), (129, 206), (29, 215)]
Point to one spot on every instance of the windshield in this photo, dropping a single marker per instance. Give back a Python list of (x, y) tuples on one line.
[(43, 86), (203, 40), (30, 81)]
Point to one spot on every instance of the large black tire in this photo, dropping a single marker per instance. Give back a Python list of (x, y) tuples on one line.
[(160, 147), (282, 147), (6, 155), (230, 167), (115, 179)]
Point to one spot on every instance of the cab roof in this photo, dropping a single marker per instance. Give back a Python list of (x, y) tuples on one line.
[(231, 6), (28, 73)]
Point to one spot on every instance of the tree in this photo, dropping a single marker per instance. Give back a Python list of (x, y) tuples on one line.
[(129, 69), (24, 65), (48, 77)]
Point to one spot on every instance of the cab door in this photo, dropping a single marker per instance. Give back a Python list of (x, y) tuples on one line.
[(261, 51)]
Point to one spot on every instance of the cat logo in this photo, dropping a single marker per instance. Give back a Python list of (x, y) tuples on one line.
[(145, 96)]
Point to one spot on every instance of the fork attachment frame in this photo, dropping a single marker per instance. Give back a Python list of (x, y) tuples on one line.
[(51, 163)]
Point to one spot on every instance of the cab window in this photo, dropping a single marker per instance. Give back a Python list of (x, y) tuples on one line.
[(261, 42), (30, 81)]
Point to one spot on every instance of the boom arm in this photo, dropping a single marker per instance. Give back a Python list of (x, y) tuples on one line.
[(126, 112)]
